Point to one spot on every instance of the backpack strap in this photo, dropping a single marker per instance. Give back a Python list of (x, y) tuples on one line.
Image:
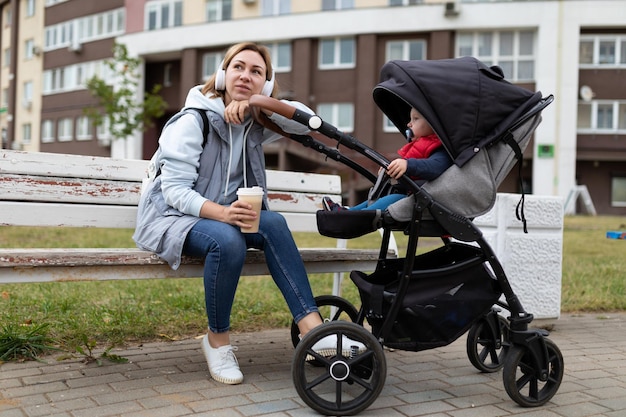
[(205, 126), (205, 122)]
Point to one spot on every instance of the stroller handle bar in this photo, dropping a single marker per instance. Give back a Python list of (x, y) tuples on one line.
[(312, 121)]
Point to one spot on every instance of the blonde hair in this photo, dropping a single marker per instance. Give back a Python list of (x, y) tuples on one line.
[(209, 85)]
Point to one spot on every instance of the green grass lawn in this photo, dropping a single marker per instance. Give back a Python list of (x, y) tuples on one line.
[(112, 313)]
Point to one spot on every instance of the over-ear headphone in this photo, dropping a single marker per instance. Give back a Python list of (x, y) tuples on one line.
[(220, 81)]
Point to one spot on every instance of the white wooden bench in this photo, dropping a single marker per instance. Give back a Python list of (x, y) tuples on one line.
[(44, 189)]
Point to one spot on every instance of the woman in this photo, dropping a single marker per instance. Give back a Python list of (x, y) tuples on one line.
[(192, 209)]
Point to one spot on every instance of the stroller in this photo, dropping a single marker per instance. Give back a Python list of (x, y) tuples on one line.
[(424, 301)]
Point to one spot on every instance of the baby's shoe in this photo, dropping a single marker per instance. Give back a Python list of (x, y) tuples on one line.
[(223, 365), (330, 205)]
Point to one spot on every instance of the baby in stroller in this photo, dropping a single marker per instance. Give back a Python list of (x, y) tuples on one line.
[(422, 159)]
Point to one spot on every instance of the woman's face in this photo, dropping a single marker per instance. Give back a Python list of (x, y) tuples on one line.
[(418, 125), (245, 76)]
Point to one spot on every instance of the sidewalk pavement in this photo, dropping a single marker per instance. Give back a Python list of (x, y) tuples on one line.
[(171, 379)]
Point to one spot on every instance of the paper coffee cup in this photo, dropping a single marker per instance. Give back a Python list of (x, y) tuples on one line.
[(254, 196)]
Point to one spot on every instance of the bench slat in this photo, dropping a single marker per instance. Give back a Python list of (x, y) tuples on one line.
[(16, 213), (86, 264), (107, 192), (303, 182), (73, 166), (69, 190)]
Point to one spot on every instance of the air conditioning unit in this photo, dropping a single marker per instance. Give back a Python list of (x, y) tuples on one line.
[(75, 47), (27, 104), (37, 50), (248, 2), (452, 8)]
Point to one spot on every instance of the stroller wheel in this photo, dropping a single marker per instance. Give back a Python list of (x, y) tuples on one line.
[(348, 379), (487, 345), (331, 308), (521, 379)]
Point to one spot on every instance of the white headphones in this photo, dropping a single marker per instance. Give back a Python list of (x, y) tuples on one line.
[(220, 81)]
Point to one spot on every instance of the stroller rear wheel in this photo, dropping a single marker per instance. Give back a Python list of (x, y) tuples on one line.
[(331, 308), (521, 376), (348, 380), (488, 342)]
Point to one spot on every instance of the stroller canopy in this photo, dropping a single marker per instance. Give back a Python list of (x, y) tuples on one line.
[(468, 104)]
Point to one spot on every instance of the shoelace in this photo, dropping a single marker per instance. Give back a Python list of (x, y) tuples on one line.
[(228, 358)]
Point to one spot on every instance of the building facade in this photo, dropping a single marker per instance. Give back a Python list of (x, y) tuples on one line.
[(328, 55)]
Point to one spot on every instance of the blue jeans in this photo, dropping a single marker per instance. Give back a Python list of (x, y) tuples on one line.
[(382, 203), (224, 248)]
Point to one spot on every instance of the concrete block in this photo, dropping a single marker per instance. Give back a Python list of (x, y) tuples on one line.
[(532, 261)]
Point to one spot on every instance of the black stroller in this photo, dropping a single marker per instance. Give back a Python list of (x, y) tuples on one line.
[(429, 300)]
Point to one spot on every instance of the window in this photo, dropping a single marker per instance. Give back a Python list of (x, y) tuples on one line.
[(84, 127), (103, 133), (406, 50), (85, 29), (618, 191), (218, 10), (47, 131), (602, 51), (164, 14), (602, 116), (65, 129), (275, 7), (7, 57), (513, 51), (210, 62), (280, 53), (340, 115), (27, 96), (29, 46), (167, 75), (26, 133), (30, 8), (337, 4), (5, 98), (337, 53), (74, 77)]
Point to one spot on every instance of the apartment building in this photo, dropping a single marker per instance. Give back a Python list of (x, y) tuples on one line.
[(328, 53), (21, 39)]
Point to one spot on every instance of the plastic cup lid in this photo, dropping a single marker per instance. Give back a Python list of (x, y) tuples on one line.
[(251, 191)]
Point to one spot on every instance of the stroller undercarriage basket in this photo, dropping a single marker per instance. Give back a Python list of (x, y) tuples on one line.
[(449, 289)]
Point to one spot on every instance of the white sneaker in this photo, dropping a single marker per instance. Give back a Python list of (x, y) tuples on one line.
[(328, 346), (223, 365)]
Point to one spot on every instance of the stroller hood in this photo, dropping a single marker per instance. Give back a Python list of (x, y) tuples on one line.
[(468, 104)]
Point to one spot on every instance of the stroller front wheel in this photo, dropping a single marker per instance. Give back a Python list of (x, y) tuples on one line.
[(521, 379), (346, 379)]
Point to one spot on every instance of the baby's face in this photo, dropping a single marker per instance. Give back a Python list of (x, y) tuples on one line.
[(418, 125)]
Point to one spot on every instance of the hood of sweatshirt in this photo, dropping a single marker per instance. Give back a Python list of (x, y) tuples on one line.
[(236, 135)]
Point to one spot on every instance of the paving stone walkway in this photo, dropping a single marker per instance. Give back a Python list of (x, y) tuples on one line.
[(171, 380)]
